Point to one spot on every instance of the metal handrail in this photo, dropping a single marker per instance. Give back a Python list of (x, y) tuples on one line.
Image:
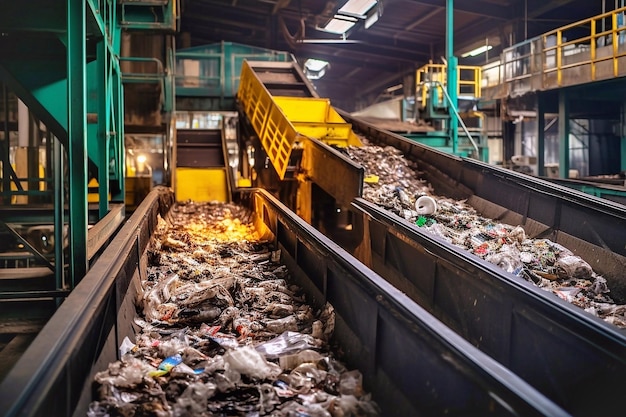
[(155, 76), (453, 107), (439, 70)]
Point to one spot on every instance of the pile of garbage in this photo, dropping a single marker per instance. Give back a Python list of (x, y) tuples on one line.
[(393, 182), (222, 332)]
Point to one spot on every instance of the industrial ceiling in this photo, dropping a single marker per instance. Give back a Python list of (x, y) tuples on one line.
[(365, 62)]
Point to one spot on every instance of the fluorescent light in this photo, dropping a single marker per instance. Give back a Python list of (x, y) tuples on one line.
[(357, 7), (315, 64), (315, 68), (477, 51), (373, 18), (351, 13), (339, 25)]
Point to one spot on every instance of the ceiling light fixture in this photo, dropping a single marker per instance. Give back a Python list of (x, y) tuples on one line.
[(351, 13), (477, 51), (371, 19), (315, 68), (329, 41), (339, 24), (357, 8)]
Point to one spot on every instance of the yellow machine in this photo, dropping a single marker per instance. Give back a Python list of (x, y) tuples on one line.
[(297, 131)]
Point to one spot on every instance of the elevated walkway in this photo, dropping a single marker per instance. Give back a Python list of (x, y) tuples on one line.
[(150, 15), (583, 52)]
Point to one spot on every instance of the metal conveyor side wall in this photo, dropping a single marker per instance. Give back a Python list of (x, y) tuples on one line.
[(414, 364)]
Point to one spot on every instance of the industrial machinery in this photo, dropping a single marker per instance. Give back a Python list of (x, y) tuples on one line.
[(433, 105), (424, 113), (531, 334), (390, 247), (451, 375), (206, 153)]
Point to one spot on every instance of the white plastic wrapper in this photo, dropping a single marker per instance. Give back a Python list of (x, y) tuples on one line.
[(126, 346), (287, 343), (573, 267), (247, 361)]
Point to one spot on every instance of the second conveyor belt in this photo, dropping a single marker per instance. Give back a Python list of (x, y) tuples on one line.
[(574, 358)]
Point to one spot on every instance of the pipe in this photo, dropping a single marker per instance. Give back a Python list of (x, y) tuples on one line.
[(458, 118), (451, 74), (23, 124)]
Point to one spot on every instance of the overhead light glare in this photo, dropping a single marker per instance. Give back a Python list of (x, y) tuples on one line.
[(339, 24), (394, 88), (477, 51), (357, 7), (315, 64), (371, 19), (315, 68)]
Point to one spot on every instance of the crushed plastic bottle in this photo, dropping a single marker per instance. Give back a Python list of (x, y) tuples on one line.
[(246, 360), (237, 336), (287, 343)]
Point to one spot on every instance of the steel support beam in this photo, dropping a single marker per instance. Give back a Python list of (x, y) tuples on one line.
[(77, 133), (541, 142), (563, 134), (59, 221), (102, 136), (623, 137), (451, 75)]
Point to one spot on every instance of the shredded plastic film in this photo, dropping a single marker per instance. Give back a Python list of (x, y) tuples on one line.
[(222, 332)]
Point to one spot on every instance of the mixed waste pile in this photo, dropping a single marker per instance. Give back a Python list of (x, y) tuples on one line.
[(223, 333), (392, 182)]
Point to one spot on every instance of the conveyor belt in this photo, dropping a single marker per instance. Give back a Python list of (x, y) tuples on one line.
[(590, 227), (609, 189), (528, 330), (412, 363), (571, 356), (550, 355)]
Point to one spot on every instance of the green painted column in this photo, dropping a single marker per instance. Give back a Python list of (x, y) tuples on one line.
[(563, 134), (59, 216), (118, 97), (104, 106), (541, 137), (451, 76), (4, 150), (623, 138), (77, 134)]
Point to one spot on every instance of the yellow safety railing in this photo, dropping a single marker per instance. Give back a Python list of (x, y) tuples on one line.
[(468, 79), (600, 48), (279, 120), (276, 134)]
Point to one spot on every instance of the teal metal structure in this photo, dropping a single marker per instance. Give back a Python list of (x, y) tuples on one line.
[(61, 60), (440, 104), (452, 74), (150, 15), (207, 76)]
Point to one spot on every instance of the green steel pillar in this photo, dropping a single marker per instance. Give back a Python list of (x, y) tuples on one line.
[(4, 151), (104, 105), (118, 97), (623, 138), (563, 134), (77, 137), (452, 75), (541, 138), (59, 217)]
